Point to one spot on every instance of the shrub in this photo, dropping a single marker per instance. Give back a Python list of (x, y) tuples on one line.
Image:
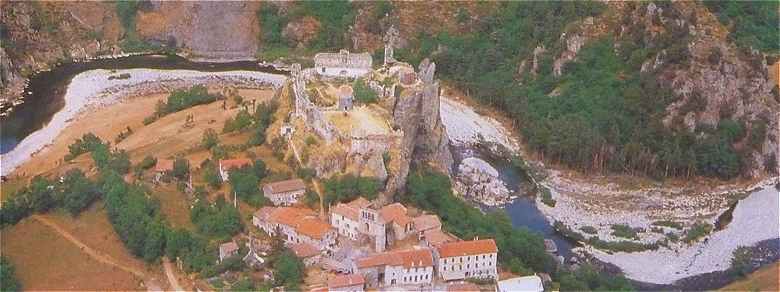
[(349, 187), (588, 229), (181, 169), (363, 93), (210, 139), (147, 163), (8, 281), (625, 231), (697, 231), (547, 197), (741, 261), (211, 175)]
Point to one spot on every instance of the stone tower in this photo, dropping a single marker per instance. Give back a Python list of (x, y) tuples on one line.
[(391, 38)]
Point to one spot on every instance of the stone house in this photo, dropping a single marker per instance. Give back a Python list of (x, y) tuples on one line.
[(225, 165), (286, 192), (343, 64), (346, 218), (425, 223), (297, 225), (308, 253), (401, 224), (345, 96), (227, 249), (409, 267), (467, 259), (435, 237), (346, 283)]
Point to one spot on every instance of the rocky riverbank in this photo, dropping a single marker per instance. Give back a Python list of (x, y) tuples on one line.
[(102, 87)]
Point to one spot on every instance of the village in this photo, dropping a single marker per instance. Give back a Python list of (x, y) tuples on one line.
[(363, 244)]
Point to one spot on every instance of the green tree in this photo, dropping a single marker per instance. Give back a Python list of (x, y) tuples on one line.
[(181, 169), (211, 175), (155, 240), (244, 182), (41, 196), (210, 139), (77, 192), (289, 270), (8, 281)]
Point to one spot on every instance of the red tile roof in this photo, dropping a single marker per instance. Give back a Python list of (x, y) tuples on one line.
[(427, 222), (304, 250), (286, 186), (304, 221), (436, 237), (234, 163), (163, 165), (463, 287), (342, 281), (464, 248), (408, 258), (351, 210), (395, 213)]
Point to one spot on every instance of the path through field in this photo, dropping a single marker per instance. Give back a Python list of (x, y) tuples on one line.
[(151, 284)]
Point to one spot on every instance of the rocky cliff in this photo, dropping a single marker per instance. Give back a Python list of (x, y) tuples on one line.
[(425, 141)]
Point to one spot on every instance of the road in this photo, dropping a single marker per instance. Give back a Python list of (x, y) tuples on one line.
[(150, 283), (171, 276)]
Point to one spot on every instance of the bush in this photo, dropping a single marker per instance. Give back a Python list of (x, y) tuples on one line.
[(363, 93), (217, 220), (625, 231), (147, 163), (697, 231), (242, 121), (8, 281), (547, 197), (741, 261), (210, 139), (211, 175), (349, 187), (183, 99), (78, 192), (588, 229), (181, 169)]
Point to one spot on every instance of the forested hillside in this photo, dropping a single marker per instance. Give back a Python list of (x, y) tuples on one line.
[(657, 89)]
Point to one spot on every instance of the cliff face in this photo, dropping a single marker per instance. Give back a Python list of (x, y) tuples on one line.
[(36, 35), (210, 30), (425, 140)]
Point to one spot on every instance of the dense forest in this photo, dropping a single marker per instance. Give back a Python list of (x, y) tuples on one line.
[(604, 113)]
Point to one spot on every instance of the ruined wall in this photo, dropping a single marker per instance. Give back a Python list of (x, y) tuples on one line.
[(311, 114)]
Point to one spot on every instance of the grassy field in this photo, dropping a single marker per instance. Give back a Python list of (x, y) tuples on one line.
[(764, 279), (46, 261)]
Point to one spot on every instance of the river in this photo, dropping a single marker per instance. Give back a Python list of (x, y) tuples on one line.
[(44, 93)]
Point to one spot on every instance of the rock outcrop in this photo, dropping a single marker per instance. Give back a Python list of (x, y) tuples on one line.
[(478, 180), (425, 140)]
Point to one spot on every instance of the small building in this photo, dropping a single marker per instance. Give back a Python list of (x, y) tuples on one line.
[(346, 283), (308, 253), (297, 225), (527, 283), (402, 224), (227, 249), (345, 95), (425, 223), (343, 64), (468, 259), (226, 165), (436, 237), (346, 217), (161, 168), (409, 267), (286, 192)]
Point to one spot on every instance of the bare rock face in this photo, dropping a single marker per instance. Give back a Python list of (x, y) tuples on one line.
[(425, 140), (215, 30), (478, 180)]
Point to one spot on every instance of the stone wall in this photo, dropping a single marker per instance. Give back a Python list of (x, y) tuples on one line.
[(312, 115)]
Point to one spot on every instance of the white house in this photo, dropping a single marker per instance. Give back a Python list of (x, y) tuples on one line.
[(286, 192), (468, 259), (343, 64), (346, 218), (526, 284), (225, 165), (409, 267)]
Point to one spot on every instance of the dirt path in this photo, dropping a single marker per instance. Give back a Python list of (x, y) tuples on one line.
[(171, 276), (151, 285)]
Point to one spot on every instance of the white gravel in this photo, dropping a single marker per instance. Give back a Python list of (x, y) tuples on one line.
[(94, 88), (465, 127), (756, 218)]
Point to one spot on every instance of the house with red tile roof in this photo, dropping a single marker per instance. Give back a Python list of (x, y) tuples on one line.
[(286, 192), (298, 225), (396, 215), (346, 283), (408, 267), (467, 259), (309, 254), (225, 165)]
